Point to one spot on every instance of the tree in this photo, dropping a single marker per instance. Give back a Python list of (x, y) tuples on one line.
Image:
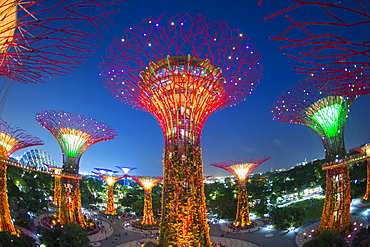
[(68, 235), (7, 240), (286, 217)]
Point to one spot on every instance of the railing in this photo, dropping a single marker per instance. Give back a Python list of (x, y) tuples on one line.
[(346, 161), (50, 170)]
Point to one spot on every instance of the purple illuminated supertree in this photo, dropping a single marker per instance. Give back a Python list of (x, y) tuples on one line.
[(181, 70), (74, 133), (41, 39), (11, 140), (329, 37), (326, 114), (241, 170)]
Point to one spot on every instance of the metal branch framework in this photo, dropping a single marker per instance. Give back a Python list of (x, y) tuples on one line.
[(365, 149), (241, 170), (323, 34), (326, 115), (40, 39), (181, 70), (11, 139), (147, 183), (110, 179), (74, 133)]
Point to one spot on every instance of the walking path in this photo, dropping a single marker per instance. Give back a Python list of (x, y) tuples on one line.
[(308, 233)]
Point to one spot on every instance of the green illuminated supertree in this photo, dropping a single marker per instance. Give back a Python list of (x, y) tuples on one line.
[(241, 170), (74, 133), (326, 114)]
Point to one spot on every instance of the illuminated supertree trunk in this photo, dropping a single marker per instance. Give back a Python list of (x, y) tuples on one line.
[(365, 149), (11, 140), (74, 133), (241, 170), (110, 179), (182, 71), (57, 187), (326, 115), (147, 183), (40, 39)]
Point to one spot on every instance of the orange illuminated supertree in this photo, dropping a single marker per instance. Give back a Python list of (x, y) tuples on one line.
[(40, 39), (365, 149), (326, 114), (241, 169), (182, 70), (110, 179), (11, 140), (147, 183), (74, 133)]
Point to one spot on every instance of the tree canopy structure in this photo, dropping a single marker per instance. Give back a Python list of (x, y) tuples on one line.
[(147, 183), (11, 139), (74, 133), (181, 70), (110, 179), (326, 114), (40, 39), (329, 37), (241, 170)]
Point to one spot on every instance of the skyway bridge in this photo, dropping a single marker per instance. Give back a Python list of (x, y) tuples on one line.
[(346, 161), (54, 171)]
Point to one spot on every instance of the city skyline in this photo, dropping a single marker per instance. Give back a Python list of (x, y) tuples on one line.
[(243, 131)]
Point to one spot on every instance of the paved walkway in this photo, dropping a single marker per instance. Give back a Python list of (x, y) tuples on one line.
[(308, 233)]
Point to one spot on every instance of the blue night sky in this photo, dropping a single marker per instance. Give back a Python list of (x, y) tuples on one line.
[(244, 131)]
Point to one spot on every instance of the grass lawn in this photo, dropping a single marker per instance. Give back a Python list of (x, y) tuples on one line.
[(312, 207)]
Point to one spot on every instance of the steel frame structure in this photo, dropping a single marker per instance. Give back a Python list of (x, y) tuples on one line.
[(110, 178), (329, 37), (11, 139), (181, 70), (74, 134), (40, 39), (241, 169), (147, 183)]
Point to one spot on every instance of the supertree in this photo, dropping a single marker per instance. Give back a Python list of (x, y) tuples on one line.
[(110, 179), (241, 169), (74, 133), (365, 149), (11, 139), (147, 183), (40, 39), (327, 33), (125, 170), (181, 71), (326, 114)]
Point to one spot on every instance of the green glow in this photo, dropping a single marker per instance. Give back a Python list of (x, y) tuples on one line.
[(328, 119), (72, 144)]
